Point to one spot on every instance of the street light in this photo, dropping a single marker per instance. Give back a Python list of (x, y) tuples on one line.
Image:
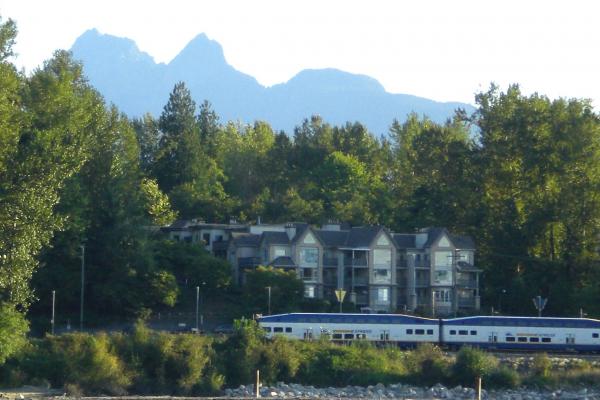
[(82, 247), (269, 299)]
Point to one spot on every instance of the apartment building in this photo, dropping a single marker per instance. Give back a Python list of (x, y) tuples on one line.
[(431, 271)]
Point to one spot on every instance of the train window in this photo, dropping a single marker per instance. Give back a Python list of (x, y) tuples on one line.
[(522, 339), (473, 333), (288, 329), (348, 336), (409, 331), (463, 332), (595, 335), (430, 331), (361, 336), (337, 336), (419, 331), (267, 328), (546, 340), (278, 329), (534, 339), (453, 332), (510, 339)]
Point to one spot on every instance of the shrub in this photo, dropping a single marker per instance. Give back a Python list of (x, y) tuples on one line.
[(427, 365), (470, 364), (503, 377), (541, 365)]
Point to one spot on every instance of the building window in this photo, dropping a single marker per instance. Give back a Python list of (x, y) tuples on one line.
[(309, 291), (442, 296), (383, 295), (309, 256), (279, 251), (309, 274), (382, 258), (382, 276), (206, 238)]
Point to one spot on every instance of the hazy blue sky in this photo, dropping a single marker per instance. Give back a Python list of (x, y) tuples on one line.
[(444, 50)]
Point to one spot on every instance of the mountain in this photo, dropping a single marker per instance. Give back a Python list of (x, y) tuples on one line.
[(131, 79)]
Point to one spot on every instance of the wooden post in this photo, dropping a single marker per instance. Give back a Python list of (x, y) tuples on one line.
[(257, 384), (478, 392)]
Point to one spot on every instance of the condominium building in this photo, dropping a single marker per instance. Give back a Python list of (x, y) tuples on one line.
[(430, 271)]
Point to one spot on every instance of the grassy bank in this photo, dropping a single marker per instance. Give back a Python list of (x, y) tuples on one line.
[(149, 362)]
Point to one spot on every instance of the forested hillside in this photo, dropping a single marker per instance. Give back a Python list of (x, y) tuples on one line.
[(521, 175)]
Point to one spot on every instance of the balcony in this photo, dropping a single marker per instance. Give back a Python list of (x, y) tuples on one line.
[(422, 283), (467, 283), (356, 262), (248, 262), (467, 302), (330, 262)]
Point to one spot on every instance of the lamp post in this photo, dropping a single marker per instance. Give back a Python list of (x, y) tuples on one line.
[(269, 299), (82, 247)]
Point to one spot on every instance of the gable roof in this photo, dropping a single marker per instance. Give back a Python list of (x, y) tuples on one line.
[(405, 240), (362, 236), (332, 238), (463, 242), (269, 238), (245, 239)]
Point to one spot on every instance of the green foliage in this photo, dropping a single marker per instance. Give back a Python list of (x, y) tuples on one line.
[(13, 328), (287, 290), (503, 377), (541, 365), (427, 365), (472, 363)]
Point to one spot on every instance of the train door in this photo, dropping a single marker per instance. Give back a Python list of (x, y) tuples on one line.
[(570, 339), (384, 336), (493, 337), (308, 334)]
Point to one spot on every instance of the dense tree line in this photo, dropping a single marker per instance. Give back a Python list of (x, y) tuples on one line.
[(521, 175)]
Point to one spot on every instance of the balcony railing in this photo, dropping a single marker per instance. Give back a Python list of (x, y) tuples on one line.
[(468, 283), (330, 262), (356, 262), (422, 283), (466, 302)]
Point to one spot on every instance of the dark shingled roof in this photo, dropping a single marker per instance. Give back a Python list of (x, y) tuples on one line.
[(433, 234), (462, 242), (245, 239), (275, 238), (179, 224), (332, 238), (405, 240), (283, 261), (362, 236)]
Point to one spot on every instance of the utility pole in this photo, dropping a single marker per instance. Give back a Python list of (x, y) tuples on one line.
[(197, 304), (269, 300), (82, 246), (53, 302)]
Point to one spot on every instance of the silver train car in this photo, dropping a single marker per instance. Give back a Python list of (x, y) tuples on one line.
[(489, 332)]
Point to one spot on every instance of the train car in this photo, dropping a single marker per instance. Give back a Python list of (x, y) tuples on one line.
[(489, 332), (523, 333), (403, 330)]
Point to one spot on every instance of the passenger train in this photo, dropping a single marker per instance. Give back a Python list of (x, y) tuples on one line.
[(490, 332)]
